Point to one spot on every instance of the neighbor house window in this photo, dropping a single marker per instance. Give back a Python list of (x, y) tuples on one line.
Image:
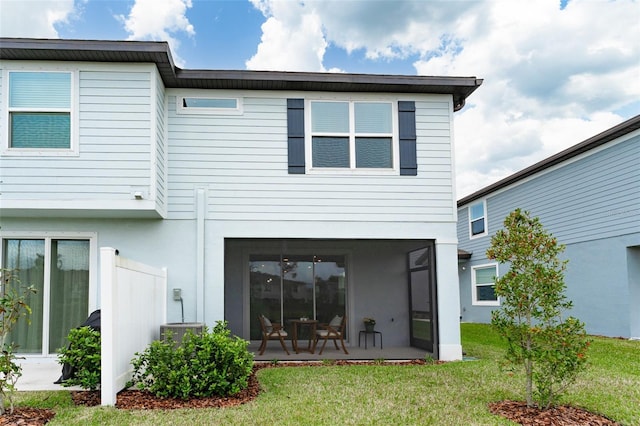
[(351, 135), (206, 105), (478, 219), (483, 285), (59, 270), (39, 109)]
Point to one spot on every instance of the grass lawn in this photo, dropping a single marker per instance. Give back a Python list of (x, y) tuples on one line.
[(454, 393)]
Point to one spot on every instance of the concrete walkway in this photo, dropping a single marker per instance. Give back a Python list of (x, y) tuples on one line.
[(38, 374)]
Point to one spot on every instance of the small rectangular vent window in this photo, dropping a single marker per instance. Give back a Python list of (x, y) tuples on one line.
[(195, 105)]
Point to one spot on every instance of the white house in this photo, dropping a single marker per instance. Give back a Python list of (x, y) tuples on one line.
[(288, 194), (588, 196)]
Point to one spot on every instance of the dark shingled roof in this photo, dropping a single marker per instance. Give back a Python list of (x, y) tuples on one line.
[(584, 146), (160, 54)]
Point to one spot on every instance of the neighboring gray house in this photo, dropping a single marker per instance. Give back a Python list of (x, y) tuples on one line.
[(588, 196), (288, 194)]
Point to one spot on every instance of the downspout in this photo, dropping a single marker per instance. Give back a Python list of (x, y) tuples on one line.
[(200, 222)]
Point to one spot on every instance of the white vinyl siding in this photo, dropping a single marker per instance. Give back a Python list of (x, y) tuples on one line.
[(162, 159), (242, 163), (118, 128)]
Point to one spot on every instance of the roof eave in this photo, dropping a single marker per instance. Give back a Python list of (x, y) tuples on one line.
[(159, 53)]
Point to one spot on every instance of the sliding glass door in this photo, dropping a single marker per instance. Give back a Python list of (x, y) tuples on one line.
[(285, 287), (59, 271)]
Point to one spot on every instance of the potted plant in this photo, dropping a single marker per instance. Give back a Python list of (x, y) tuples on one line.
[(369, 324)]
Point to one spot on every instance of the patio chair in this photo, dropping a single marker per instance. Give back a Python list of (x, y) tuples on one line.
[(271, 331), (332, 331)]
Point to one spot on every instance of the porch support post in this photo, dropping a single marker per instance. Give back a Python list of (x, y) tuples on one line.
[(449, 344)]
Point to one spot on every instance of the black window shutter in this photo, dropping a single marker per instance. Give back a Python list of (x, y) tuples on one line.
[(407, 134), (295, 135)]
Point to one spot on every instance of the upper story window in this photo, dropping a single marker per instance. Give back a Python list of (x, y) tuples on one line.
[(209, 105), (40, 111), (351, 135), (346, 136), (478, 219), (484, 286)]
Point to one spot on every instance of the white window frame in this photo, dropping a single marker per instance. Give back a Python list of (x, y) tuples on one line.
[(352, 169), (474, 286), (484, 218), (73, 149), (181, 109), (92, 237)]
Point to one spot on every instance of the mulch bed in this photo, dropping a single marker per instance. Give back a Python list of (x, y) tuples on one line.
[(517, 411), (130, 399), (26, 416)]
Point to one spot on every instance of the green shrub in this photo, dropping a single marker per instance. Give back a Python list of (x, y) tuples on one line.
[(13, 306), (83, 355), (206, 364)]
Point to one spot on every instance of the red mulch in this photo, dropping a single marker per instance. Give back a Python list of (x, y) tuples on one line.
[(143, 400), (564, 415), (26, 416)]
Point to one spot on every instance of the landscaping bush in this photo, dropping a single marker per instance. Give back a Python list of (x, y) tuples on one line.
[(83, 356), (205, 364), (13, 306)]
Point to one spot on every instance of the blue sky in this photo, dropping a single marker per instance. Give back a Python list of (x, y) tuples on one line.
[(555, 72)]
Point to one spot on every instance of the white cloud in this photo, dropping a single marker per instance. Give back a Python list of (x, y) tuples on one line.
[(159, 20), (552, 77), (292, 38), (34, 18)]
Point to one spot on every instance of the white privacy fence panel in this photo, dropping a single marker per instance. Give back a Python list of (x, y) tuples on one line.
[(133, 303)]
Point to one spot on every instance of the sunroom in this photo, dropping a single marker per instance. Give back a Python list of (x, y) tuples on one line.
[(392, 281)]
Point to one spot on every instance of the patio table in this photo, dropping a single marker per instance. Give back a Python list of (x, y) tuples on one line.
[(312, 332)]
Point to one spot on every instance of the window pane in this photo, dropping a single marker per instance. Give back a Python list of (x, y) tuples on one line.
[(27, 256), (39, 90), (330, 117), (265, 290), (69, 289), (40, 130), (476, 211), (297, 287), (373, 117), (209, 103), (486, 293), (373, 152), (485, 275), (330, 152), (330, 280), (477, 227)]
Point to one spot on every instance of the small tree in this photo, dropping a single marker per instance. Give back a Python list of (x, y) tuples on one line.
[(13, 306), (551, 350)]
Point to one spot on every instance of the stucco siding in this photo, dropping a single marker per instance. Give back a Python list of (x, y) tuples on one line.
[(241, 160)]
